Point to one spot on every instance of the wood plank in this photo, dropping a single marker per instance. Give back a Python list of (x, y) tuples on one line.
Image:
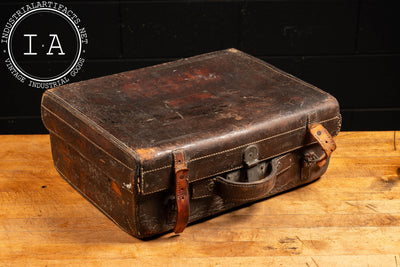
[(14, 149), (365, 144), (92, 222), (351, 215), (293, 260), (206, 243), (76, 205)]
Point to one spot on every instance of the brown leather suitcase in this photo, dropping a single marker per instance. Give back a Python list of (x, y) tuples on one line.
[(163, 146)]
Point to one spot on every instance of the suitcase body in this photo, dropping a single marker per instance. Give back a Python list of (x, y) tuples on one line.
[(163, 146)]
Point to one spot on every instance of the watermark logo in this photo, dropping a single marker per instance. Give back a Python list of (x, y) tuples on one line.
[(43, 43)]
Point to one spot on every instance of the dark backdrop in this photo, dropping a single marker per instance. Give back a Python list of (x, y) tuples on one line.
[(350, 49)]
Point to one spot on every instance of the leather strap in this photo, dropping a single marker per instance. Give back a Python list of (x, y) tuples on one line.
[(181, 192), (324, 139)]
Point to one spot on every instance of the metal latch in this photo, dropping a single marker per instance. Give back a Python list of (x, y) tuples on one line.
[(250, 156), (255, 170)]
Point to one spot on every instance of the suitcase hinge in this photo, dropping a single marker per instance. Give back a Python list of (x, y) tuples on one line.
[(181, 191)]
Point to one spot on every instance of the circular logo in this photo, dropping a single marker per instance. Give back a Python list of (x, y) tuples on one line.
[(44, 43)]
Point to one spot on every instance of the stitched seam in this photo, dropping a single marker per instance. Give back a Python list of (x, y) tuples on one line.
[(228, 150), (90, 141), (231, 149), (141, 183), (251, 143), (249, 199), (202, 184), (336, 117), (240, 185), (157, 169), (155, 191), (202, 196), (204, 177), (287, 151), (210, 193), (285, 169), (235, 168)]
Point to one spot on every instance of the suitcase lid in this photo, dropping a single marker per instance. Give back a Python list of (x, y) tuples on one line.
[(211, 106)]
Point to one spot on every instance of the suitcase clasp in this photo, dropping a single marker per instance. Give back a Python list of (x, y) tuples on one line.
[(255, 169), (250, 156)]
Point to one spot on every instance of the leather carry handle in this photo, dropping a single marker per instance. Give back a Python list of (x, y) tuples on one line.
[(244, 191)]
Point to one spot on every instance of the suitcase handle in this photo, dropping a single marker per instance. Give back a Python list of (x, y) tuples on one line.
[(244, 191)]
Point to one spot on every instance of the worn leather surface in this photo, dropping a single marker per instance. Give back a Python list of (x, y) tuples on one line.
[(218, 102), (211, 106)]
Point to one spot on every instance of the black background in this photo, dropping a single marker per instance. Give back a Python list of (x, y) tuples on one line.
[(349, 48)]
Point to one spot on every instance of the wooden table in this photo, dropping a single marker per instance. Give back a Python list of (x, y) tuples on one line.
[(349, 217)]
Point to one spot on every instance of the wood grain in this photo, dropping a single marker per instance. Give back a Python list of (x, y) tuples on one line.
[(349, 217)]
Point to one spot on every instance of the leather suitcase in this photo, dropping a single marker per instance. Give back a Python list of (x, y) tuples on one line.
[(160, 147)]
